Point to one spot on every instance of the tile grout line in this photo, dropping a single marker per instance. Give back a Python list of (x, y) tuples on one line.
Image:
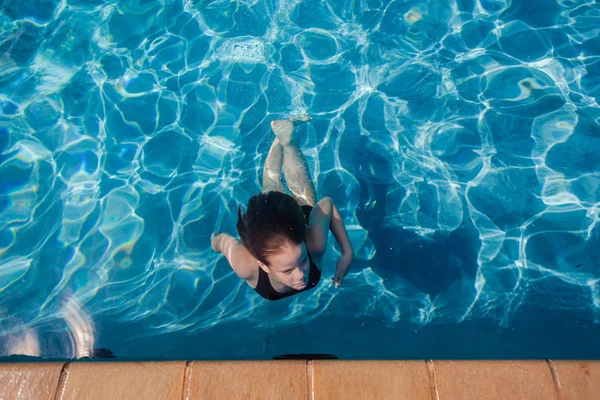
[(62, 381), (187, 380), (306, 376), (435, 395), (555, 379), (310, 368)]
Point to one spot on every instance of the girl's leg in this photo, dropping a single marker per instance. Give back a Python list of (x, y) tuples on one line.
[(295, 167), (272, 172)]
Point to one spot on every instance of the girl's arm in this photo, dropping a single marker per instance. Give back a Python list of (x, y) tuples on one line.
[(238, 256), (324, 217)]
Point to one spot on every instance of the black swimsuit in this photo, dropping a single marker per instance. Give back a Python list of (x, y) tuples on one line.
[(264, 287)]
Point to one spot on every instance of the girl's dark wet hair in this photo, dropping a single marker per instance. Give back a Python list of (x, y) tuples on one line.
[(272, 220)]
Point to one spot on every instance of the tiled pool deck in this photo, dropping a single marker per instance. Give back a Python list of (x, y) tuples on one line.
[(318, 379)]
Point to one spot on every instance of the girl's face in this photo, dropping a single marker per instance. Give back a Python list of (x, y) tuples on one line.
[(290, 266)]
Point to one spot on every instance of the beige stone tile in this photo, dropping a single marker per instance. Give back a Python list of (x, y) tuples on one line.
[(230, 380), (578, 379), (29, 381), (128, 381), (364, 380), (494, 380)]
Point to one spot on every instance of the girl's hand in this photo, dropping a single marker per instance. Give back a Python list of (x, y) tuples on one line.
[(337, 283), (215, 242), (343, 265)]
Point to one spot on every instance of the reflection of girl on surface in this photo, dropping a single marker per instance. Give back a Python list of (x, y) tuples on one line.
[(279, 254)]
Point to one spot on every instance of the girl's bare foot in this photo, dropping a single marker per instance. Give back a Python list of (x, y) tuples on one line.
[(284, 129)]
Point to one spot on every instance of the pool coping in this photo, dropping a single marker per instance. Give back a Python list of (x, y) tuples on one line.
[(303, 379)]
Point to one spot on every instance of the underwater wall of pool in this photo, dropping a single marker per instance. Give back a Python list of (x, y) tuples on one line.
[(460, 141)]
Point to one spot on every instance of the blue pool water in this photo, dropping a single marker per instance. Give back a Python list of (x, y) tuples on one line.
[(459, 139)]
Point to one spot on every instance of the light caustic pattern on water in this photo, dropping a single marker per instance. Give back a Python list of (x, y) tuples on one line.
[(130, 131)]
